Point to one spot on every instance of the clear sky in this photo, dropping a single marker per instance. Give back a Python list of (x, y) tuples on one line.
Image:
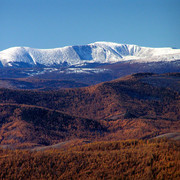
[(57, 23)]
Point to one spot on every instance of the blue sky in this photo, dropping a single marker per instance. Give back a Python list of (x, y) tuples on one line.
[(57, 23)]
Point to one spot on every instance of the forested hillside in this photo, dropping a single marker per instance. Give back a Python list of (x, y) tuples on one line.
[(138, 106), (101, 160)]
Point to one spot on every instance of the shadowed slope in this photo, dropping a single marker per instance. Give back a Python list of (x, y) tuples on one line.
[(31, 125)]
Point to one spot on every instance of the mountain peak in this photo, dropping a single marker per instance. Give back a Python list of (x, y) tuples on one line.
[(107, 43)]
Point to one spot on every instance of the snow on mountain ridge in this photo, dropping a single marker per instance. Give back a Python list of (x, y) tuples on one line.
[(101, 52)]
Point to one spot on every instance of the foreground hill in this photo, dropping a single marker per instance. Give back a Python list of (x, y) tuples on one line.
[(136, 106), (100, 160)]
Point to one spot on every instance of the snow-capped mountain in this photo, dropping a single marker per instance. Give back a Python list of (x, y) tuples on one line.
[(98, 52)]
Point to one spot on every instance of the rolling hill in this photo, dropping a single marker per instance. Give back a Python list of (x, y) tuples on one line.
[(137, 106)]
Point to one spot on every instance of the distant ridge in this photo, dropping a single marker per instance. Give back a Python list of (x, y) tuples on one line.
[(98, 52)]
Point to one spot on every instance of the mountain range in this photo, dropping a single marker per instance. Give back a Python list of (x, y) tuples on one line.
[(81, 66), (98, 52)]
